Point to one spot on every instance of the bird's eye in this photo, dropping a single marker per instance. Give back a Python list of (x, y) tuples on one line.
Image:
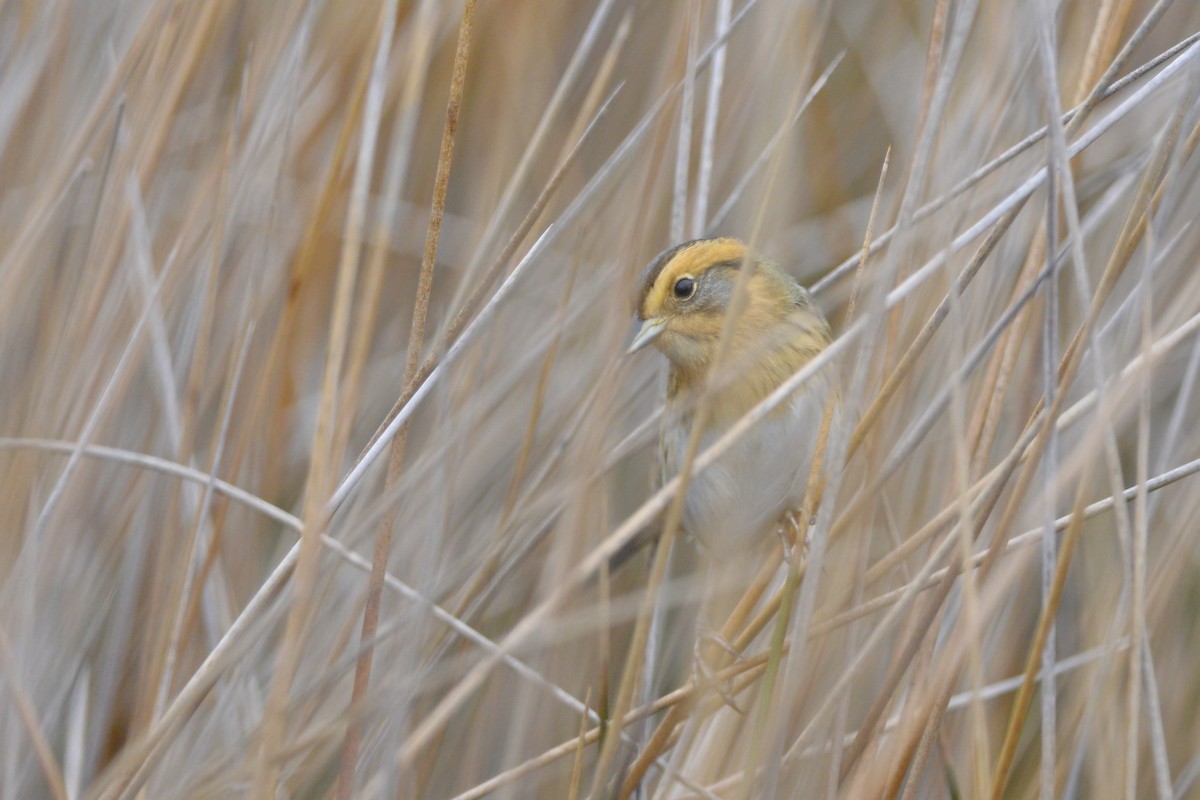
[(685, 288)]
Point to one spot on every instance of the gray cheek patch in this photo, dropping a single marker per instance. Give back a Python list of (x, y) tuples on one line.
[(712, 294), (715, 290)]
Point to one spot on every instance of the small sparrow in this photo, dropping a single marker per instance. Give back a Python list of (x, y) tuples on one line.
[(740, 500)]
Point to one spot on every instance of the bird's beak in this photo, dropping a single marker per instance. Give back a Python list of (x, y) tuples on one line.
[(651, 330)]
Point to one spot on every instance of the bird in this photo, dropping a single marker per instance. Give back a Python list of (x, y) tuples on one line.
[(759, 484)]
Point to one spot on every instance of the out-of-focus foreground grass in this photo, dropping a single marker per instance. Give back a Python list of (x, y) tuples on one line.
[(214, 218)]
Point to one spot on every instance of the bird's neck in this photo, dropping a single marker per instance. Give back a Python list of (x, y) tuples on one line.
[(761, 358), (745, 387)]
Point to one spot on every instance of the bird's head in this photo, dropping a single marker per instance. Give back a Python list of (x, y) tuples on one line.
[(686, 292)]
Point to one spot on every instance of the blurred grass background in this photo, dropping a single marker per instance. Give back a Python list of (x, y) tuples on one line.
[(226, 257)]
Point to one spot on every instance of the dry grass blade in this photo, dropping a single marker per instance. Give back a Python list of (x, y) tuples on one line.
[(29, 718), (416, 340), (325, 447)]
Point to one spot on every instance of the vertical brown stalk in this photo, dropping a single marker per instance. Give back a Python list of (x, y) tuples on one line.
[(383, 542)]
